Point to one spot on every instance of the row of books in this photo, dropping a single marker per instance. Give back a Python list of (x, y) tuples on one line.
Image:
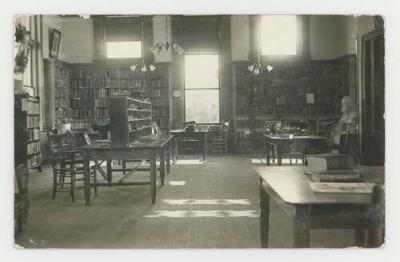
[(158, 93), (82, 102), (102, 113), (33, 134), (34, 161), (33, 148), (139, 125), (30, 106), (77, 124), (102, 103), (63, 114), (82, 113), (33, 121)]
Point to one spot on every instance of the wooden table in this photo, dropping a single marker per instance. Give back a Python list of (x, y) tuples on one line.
[(283, 143), (136, 150), (307, 210), (201, 135)]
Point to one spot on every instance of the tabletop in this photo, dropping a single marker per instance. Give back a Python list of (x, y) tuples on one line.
[(287, 137), (139, 144), (291, 185), (181, 131)]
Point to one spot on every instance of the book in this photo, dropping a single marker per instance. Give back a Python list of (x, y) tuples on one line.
[(350, 188), (334, 176), (331, 161)]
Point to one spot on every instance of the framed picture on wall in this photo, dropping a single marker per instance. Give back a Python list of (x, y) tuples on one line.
[(55, 38)]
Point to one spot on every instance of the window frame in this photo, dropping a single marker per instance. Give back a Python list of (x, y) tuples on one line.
[(122, 58), (191, 89), (302, 42)]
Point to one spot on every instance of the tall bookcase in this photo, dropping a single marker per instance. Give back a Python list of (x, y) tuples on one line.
[(282, 95), (92, 86), (130, 118), (27, 130)]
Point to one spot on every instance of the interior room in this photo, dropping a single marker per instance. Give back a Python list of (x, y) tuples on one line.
[(191, 131)]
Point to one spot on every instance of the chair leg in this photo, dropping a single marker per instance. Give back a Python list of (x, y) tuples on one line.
[(95, 182), (73, 183), (54, 181)]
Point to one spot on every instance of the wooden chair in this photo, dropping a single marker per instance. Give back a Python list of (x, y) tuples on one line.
[(190, 144), (67, 164), (219, 138)]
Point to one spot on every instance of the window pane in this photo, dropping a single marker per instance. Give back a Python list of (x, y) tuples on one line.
[(129, 49), (202, 106), (278, 35), (201, 71)]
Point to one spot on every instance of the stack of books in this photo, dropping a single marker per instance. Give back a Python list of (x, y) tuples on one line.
[(331, 168), (334, 176)]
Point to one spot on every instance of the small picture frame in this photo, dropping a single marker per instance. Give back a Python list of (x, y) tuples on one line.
[(55, 39)]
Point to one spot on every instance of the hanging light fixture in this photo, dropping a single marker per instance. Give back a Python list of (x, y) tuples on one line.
[(143, 67), (257, 67), (157, 48)]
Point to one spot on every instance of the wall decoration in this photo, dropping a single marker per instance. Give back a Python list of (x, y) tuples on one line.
[(23, 46), (55, 39)]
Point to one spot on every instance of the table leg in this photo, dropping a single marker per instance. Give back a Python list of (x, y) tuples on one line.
[(174, 149), (162, 165), (279, 155), (86, 180), (204, 148), (153, 176), (109, 172), (301, 227), (268, 151), (168, 146), (264, 216)]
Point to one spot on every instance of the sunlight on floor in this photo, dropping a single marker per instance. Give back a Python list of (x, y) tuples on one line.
[(206, 201), (176, 183), (188, 162), (204, 213)]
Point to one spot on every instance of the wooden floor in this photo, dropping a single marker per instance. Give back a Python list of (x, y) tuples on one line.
[(211, 205)]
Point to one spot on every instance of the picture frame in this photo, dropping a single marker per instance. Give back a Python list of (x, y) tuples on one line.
[(55, 39)]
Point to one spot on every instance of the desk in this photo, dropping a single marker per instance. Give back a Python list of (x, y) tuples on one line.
[(288, 186), (283, 143), (136, 150), (200, 135)]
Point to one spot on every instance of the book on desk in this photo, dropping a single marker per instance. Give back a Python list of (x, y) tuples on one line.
[(345, 188), (330, 161), (334, 175)]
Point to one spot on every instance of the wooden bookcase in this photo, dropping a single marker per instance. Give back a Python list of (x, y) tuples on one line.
[(92, 86), (130, 119), (281, 95), (27, 131)]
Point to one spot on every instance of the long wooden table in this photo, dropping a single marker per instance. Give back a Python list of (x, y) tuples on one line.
[(289, 188), (283, 143), (148, 150), (201, 135)]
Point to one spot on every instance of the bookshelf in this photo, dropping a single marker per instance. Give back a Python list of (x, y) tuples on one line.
[(282, 95), (130, 118), (27, 131), (92, 86)]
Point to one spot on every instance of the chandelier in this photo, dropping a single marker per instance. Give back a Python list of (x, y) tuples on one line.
[(256, 67), (143, 67), (157, 48)]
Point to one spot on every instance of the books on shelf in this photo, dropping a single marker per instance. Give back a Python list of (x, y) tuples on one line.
[(345, 188), (334, 176), (330, 161)]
